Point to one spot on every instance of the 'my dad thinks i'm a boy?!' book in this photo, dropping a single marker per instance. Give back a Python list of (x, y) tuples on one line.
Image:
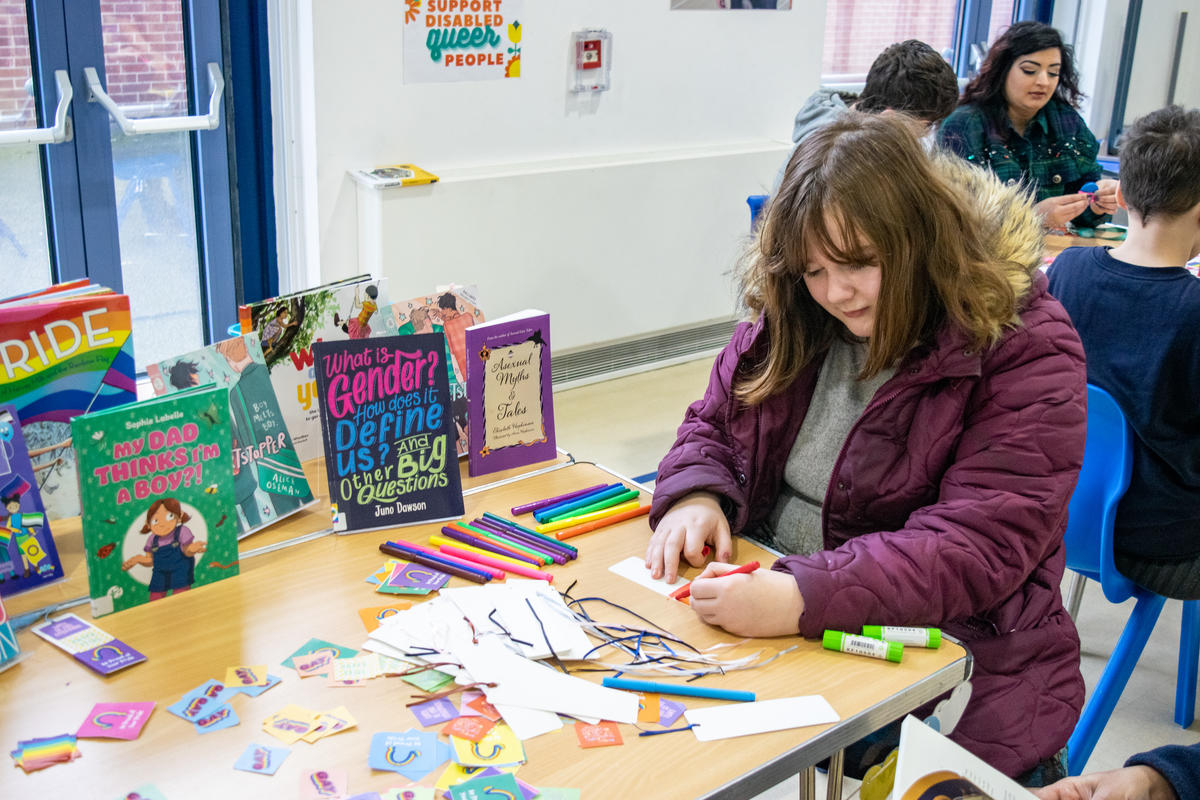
[(389, 434)]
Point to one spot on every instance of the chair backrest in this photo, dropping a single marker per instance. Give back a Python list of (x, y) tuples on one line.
[(755, 201), (1107, 464)]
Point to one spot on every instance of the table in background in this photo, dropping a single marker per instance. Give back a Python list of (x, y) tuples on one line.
[(1056, 243), (314, 589)]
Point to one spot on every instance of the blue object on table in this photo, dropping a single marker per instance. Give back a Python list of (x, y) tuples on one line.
[(755, 201), (686, 689), (1107, 465)]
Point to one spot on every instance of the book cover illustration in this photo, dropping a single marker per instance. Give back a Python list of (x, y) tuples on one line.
[(394, 175), (157, 488), (10, 650), (510, 394), (932, 767), (288, 326), (268, 478), (61, 356), (28, 556), (449, 310), (388, 434)]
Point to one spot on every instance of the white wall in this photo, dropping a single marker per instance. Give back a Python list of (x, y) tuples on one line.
[(1155, 52), (686, 85)]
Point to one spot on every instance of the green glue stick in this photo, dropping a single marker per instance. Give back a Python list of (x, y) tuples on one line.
[(917, 637), (862, 646)]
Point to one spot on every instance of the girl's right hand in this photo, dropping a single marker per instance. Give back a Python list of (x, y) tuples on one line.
[(1056, 212), (692, 522)]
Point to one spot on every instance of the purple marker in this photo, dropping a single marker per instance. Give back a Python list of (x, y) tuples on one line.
[(507, 523), (557, 556), (491, 547), (544, 514), (549, 501)]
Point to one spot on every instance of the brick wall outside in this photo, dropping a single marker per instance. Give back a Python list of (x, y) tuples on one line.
[(143, 59)]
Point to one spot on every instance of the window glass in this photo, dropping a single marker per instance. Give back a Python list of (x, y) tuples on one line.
[(856, 30)]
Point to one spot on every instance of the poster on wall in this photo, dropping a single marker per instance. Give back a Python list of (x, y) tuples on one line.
[(462, 40)]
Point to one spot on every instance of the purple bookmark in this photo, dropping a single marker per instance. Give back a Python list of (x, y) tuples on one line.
[(549, 501)]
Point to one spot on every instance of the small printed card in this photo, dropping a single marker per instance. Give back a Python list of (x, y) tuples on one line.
[(669, 711), (634, 568), (527, 792), (428, 680), (499, 747), (457, 773), (502, 784), (605, 734), (473, 729), (317, 645), (201, 701), (371, 617), (310, 664), (89, 645), (413, 754), (238, 677), (411, 793), (480, 705), (291, 723), (329, 723), (648, 710), (261, 758), (216, 719), (741, 719), (321, 784), (412, 579), (255, 691), (115, 721), (433, 712), (146, 791)]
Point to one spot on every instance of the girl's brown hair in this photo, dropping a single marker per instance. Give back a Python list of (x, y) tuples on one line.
[(172, 505), (862, 190)]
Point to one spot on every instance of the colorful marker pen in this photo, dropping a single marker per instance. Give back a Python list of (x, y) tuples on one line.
[(917, 637), (862, 646)]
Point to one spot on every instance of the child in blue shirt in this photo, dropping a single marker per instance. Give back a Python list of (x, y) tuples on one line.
[(1137, 311)]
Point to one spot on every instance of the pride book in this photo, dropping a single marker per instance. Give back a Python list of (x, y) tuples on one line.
[(268, 479), (389, 437), (450, 310), (64, 351), (288, 326), (509, 393), (157, 487), (28, 557)]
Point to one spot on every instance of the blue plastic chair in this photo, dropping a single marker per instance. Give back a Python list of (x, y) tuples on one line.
[(755, 201), (1107, 465)]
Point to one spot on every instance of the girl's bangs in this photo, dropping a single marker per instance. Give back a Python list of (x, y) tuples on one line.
[(830, 230)]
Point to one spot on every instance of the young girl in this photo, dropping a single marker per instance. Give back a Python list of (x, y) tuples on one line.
[(170, 549), (906, 414)]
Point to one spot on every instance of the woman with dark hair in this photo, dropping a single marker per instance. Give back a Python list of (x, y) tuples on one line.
[(1017, 118), (904, 417)]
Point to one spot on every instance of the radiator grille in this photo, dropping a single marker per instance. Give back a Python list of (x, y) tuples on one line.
[(600, 361)]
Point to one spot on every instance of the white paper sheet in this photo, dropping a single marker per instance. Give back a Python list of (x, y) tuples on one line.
[(634, 568), (742, 719)]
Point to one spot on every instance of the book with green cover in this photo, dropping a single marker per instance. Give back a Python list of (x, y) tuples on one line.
[(156, 483)]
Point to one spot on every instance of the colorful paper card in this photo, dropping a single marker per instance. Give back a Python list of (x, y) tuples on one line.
[(412, 579), (246, 676), (669, 711), (604, 734), (498, 747), (147, 791), (88, 644), (547, 793), (35, 754), (316, 645), (488, 786), (473, 729), (412, 753), (526, 791), (261, 758), (388, 432), (322, 784), (28, 557), (482, 707), (201, 701), (411, 793), (115, 721), (442, 47), (433, 712), (371, 617), (291, 723), (216, 719), (648, 710), (428, 680), (457, 773), (331, 722), (255, 691)]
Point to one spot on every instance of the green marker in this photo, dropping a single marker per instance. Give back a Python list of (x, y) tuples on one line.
[(917, 637), (862, 646)]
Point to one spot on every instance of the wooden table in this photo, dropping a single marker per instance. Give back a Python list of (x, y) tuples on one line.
[(314, 588), (1056, 243)]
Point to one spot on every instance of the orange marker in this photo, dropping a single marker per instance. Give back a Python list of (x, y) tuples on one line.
[(588, 527)]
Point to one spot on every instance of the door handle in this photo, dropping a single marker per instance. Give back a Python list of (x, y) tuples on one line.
[(132, 127), (57, 133)]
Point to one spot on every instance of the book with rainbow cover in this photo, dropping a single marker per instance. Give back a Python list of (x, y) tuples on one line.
[(64, 351), (28, 557)]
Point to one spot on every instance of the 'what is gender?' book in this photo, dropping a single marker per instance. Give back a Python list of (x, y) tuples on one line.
[(389, 437), (156, 479), (268, 479)]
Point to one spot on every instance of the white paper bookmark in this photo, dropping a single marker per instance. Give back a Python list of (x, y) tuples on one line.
[(634, 569), (742, 719)]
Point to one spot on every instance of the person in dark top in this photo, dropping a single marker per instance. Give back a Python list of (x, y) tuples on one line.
[(1166, 773), (1137, 311), (1017, 118)]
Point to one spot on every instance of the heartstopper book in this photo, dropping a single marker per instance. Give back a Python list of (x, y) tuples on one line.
[(510, 393), (28, 557), (288, 326), (63, 354), (268, 479), (156, 480), (389, 437)]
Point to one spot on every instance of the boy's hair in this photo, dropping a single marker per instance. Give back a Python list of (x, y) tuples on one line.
[(863, 191), (181, 373), (1160, 162), (448, 300), (911, 77), (986, 89)]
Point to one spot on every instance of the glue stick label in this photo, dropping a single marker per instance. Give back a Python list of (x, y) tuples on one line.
[(862, 646)]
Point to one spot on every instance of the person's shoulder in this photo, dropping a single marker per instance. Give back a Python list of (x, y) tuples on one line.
[(965, 116)]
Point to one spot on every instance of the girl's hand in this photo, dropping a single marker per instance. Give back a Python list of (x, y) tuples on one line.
[(1131, 783), (694, 521), (1056, 212), (759, 603), (1104, 200)]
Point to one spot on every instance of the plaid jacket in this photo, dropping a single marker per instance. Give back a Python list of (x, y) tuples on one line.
[(1056, 155)]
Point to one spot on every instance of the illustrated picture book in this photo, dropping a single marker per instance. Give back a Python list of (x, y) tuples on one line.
[(394, 175), (268, 478), (64, 351), (449, 310), (10, 650), (389, 438), (288, 326), (931, 767), (28, 556), (157, 488), (509, 392)]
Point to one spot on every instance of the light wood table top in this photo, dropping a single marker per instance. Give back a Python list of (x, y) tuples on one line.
[(313, 589), (1056, 243)]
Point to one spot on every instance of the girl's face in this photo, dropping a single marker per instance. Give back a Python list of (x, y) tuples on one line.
[(162, 521), (849, 292), (1031, 81)]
